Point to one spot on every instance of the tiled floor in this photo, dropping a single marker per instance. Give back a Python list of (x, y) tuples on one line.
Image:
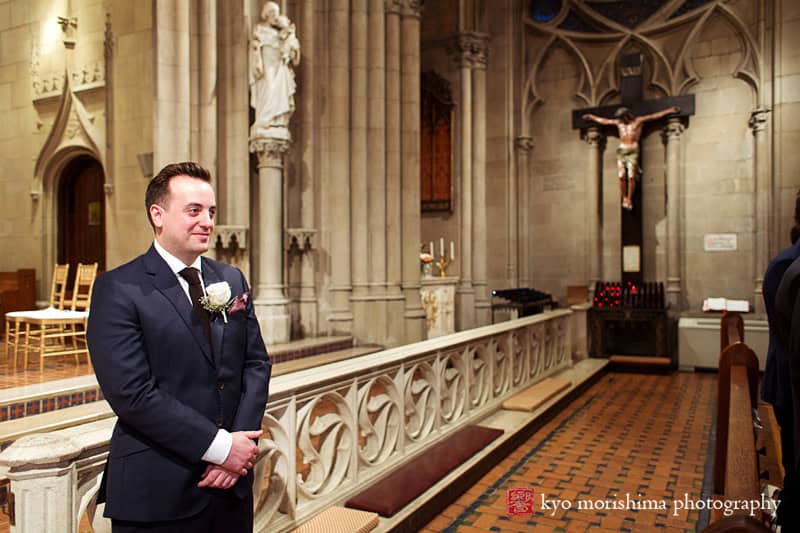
[(54, 368), (645, 436)]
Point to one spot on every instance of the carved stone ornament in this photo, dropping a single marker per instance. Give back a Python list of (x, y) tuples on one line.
[(73, 131), (300, 239), (228, 235), (269, 151), (758, 119), (524, 144), (393, 7), (470, 49), (674, 129), (412, 8), (593, 137)]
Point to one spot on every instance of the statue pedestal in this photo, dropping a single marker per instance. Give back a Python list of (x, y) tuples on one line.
[(439, 300)]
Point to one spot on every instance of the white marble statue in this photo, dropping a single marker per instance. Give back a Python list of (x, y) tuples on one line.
[(274, 51)]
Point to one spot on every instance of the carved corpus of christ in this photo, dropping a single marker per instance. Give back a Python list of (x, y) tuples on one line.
[(630, 131)]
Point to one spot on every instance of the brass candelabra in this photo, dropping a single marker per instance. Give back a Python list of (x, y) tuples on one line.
[(442, 265)]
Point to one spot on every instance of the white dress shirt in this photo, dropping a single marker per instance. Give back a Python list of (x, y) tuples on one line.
[(221, 445)]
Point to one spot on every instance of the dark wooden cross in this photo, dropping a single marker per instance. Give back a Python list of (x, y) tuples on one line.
[(631, 89)]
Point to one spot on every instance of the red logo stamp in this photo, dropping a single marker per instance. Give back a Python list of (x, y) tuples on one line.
[(519, 501)]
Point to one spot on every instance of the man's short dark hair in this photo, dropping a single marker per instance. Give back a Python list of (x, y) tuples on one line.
[(624, 112), (158, 188)]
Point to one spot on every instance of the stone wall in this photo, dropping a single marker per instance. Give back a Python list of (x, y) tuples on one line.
[(361, 273)]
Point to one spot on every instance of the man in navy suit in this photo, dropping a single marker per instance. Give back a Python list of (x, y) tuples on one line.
[(187, 380), (776, 388)]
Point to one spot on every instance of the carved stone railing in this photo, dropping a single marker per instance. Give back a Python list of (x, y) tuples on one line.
[(329, 431)]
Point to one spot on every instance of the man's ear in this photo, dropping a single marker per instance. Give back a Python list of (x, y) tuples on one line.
[(157, 216)]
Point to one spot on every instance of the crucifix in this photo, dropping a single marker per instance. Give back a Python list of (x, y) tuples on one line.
[(628, 121)]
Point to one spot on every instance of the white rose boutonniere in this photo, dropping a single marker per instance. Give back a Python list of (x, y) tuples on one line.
[(217, 298)]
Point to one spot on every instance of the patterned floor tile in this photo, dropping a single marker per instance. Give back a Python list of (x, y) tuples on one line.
[(616, 458)]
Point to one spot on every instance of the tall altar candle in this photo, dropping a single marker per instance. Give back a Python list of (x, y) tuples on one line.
[(452, 251), (430, 248), (441, 246)]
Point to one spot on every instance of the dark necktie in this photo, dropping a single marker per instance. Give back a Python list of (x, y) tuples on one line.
[(192, 275)]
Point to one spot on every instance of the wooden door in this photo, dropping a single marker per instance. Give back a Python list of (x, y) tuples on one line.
[(81, 215)]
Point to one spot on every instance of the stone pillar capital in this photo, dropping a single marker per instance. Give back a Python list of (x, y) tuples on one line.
[(524, 145), (673, 130), (593, 137), (411, 8), (758, 119), (470, 49), (230, 236), (393, 7), (269, 151), (69, 25)]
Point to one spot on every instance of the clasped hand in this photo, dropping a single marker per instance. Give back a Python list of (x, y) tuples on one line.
[(241, 458)]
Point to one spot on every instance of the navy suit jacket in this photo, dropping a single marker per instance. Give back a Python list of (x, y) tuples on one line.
[(787, 322), (170, 389), (776, 387)]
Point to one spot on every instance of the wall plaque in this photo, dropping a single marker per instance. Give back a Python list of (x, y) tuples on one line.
[(720, 242)]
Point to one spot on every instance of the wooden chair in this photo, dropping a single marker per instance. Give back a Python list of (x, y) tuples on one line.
[(81, 298), (15, 320), (47, 331)]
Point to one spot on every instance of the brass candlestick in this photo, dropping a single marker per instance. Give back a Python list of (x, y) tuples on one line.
[(442, 264)]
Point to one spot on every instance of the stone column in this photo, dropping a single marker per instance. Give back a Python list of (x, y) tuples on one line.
[(207, 49), (338, 223), (594, 228), (358, 169), (394, 243), (761, 205), (270, 299), (172, 112), (308, 116), (480, 50), (414, 314), (465, 301), (233, 163), (376, 170), (674, 174), (524, 146)]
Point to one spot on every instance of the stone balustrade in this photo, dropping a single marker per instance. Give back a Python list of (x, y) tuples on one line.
[(329, 431)]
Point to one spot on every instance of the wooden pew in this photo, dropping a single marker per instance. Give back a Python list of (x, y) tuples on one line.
[(731, 329), (17, 292), (735, 459)]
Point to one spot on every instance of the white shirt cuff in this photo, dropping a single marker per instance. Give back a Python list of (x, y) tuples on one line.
[(219, 449)]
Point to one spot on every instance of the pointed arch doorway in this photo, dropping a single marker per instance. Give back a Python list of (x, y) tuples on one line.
[(81, 219)]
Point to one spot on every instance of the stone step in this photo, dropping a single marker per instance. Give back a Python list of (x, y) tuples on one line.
[(533, 397), (31, 400), (640, 360)]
